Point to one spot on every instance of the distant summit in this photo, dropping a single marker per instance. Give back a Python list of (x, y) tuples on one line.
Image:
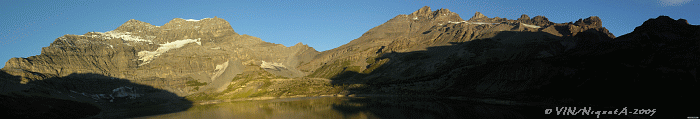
[(593, 20), (424, 11), (133, 25), (665, 24), (426, 14), (477, 16)]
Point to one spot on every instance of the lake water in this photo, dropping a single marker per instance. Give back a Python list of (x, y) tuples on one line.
[(363, 108), (353, 108)]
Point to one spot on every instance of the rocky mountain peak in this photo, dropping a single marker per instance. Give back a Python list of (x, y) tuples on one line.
[(134, 21), (134, 25), (424, 11), (593, 20), (215, 27), (442, 11), (477, 16), (298, 44), (201, 23), (683, 21), (524, 17), (440, 14), (667, 24), (541, 21)]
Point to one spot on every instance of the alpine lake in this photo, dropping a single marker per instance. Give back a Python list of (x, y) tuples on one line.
[(372, 108)]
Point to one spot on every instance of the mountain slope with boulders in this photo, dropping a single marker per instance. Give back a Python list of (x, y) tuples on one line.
[(425, 53)]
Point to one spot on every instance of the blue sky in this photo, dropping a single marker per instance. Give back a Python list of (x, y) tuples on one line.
[(27, 26)]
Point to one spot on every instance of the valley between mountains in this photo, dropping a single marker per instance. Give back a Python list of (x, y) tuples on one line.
[(139, 67)]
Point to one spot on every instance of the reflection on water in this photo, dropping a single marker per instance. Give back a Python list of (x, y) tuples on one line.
[(279, 108), (336, 107)]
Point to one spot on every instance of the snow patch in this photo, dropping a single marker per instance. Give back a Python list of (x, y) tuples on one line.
[(479, 23), (219, 70), (531, 26), (126, 36), (147, 56), (415, 18), (271, 65), (456, 22), (194, 20)]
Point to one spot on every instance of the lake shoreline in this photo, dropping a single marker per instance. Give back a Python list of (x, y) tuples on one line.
[(487, 100)]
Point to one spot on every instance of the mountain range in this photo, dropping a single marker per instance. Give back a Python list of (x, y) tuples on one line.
[(163, 69)]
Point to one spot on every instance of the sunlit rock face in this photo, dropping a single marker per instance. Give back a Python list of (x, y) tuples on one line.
[(166, 57)]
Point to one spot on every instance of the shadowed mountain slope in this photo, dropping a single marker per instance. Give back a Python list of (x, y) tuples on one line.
[(84, 96), (494, 39), (636, 70)]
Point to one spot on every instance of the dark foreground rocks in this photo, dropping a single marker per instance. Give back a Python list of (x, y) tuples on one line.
[(39, 107)]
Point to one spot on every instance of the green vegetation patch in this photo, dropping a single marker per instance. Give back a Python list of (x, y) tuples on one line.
[(335, 69), (331, 70), (195, 83), (259, 83), (376, 64), (371, 60), (200, 96)]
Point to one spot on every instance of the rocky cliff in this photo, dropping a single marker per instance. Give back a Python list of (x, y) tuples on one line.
[(165, 56), (418, 44)]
